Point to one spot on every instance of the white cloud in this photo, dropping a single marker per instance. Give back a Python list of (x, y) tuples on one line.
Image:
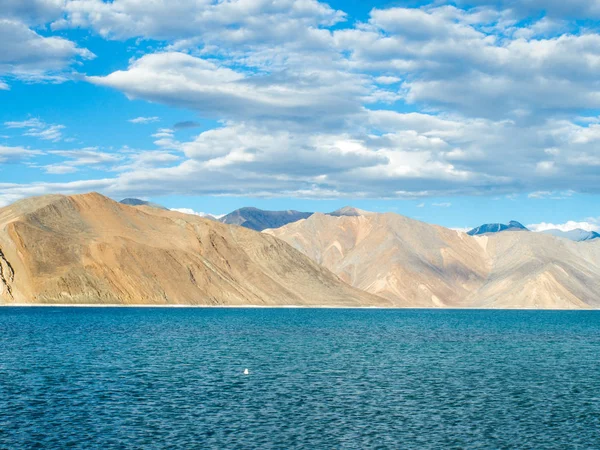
[(163, 133), (144, 120), (388, 80), (572, 9), (499, 107), (147, 160), (462, 230), (553, 195), (29, 123), (51, 133), (442, 204), (235, 21), (195, 213), (465, 62), (87, 156), (33, 12), (16, 154), (78, 158), (316, 96), (425, 156), (27, 55), (59, 169), (37, 128), (567, 226)]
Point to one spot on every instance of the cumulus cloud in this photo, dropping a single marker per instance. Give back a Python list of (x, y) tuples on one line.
[(32, 12), (237, 21), (498, 105), (319, 97), (27, 55), (467, 61), (425, 155), (285, 154)]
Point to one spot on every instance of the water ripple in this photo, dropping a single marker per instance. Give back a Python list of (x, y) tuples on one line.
[(156, 378)]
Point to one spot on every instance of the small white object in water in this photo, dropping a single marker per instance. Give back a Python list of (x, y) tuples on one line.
[(246, 372)]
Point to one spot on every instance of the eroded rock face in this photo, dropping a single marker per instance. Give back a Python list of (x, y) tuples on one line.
[(90, 249), (7, 276), (414, 263)]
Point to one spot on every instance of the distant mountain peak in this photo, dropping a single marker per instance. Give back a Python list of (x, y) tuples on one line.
[(349, 211), (138, 202), (577, 235), (487, 228), (515, 224), (259, 220)]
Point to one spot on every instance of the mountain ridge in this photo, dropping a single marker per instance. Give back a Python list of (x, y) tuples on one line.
[(88, 249), (407, 261)]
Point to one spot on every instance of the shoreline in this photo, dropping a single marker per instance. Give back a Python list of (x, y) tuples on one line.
[(116, 305)]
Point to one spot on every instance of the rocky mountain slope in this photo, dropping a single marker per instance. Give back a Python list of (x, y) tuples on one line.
[(88, 249), (411, 262)]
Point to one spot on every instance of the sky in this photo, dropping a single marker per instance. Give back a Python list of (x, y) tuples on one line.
[(452, 112)]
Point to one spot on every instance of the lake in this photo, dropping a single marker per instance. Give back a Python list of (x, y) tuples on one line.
[(317, 378)]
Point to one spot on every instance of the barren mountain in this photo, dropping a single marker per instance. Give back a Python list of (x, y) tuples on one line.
[(90, 249), (414, 263), (536, 270)]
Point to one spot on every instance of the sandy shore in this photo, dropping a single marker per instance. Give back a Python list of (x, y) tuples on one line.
[(63, 305)]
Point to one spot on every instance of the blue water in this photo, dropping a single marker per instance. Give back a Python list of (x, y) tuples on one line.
[(156, 378)]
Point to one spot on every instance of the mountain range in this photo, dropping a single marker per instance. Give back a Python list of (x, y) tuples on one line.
[(259, 220), (88, 249), (423, 265)]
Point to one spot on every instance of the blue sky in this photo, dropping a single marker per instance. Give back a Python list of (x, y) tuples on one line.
[(455, 113)]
